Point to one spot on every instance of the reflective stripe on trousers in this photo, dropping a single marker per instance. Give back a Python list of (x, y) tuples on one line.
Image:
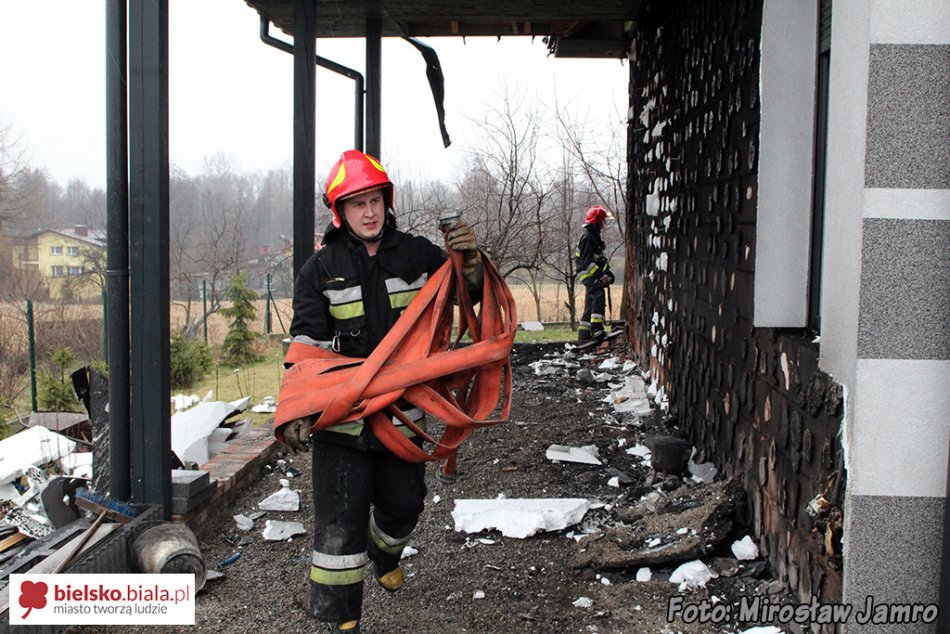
[(347, 484)]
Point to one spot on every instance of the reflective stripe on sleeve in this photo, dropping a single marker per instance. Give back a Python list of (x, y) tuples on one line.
[(588, 272), (310, 341)]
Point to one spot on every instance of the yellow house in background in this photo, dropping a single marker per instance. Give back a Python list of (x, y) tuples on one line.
[(71, 261)]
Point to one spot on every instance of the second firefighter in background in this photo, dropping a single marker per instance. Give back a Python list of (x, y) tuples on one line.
[(593, 271)]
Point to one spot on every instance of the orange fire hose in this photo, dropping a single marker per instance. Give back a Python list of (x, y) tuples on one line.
[(415, 362)]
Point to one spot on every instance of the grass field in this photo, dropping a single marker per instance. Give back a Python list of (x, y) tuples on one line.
[(80, 326)]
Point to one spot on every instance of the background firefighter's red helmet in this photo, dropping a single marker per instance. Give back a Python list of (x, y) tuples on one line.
[(355, 173), (595, 215)]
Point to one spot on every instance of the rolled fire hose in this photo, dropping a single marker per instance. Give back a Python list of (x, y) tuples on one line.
[(416, 362)]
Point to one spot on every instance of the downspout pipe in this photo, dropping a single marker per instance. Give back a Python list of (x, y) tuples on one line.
[(117, 253), (340, 69)]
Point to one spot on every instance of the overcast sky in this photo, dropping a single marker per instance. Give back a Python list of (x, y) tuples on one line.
[(230, 93)]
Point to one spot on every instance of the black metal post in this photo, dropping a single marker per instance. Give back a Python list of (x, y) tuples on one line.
[(31, 344), (374, 86), (150, 445), (117, 246), (204, 308), (305, 103), (267, 318)]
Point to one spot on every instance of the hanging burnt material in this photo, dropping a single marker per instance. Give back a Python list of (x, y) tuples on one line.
[(92, 389), (436, 83)]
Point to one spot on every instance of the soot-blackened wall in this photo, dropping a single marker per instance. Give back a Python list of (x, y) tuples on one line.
[(752, 399)]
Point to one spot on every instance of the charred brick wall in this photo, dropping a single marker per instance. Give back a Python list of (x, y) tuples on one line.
[(753, 400)]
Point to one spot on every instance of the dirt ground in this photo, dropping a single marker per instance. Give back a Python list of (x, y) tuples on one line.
[(489, 583)]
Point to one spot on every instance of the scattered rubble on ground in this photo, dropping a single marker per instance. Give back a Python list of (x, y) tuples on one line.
[(644, 532), (57, 448)]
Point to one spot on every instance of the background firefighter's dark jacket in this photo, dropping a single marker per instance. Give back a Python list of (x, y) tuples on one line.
[(346, 301), (590, 259)]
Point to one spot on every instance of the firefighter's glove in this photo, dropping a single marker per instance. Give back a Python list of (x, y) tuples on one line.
[(605, 280), (297, 434), (473, 270), (461, 237)]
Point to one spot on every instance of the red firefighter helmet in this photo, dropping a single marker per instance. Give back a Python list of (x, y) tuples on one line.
[(355, 173), (596, 215)]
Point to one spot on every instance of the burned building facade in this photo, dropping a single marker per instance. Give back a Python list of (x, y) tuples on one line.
[(787, 252)]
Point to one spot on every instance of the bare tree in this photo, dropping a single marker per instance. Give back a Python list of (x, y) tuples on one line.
[(211, 219), (599, 159), (14, 363), (17, 196), (563, 228), (418, 205), (503, 190)]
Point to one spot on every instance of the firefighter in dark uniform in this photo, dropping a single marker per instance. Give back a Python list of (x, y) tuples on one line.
[(593, 271), (346, 298)]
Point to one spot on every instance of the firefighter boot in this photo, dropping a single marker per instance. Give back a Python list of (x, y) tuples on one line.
[(350, 627), (392, 580)]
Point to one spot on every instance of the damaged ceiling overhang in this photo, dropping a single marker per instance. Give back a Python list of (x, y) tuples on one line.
[(573, 29)]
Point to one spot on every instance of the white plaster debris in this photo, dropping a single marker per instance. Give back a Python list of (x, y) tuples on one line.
[(77, 465), (436, 499), (640, 450), (276, 530), (583, 455), (628, 366), (691, 575), (763, 629), (630, 398), (645, 113), (643, 452), (582, 602), (408, 551), (702, 473), (31, 447), (518, 518), (745, 549), (243, 522), (532, 326), (191, 428), (644, 574), (184, 401), (552, 367), (478, 594), (284, 499), (614, 482), (609, 364), (653, 542), (266, 406)]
